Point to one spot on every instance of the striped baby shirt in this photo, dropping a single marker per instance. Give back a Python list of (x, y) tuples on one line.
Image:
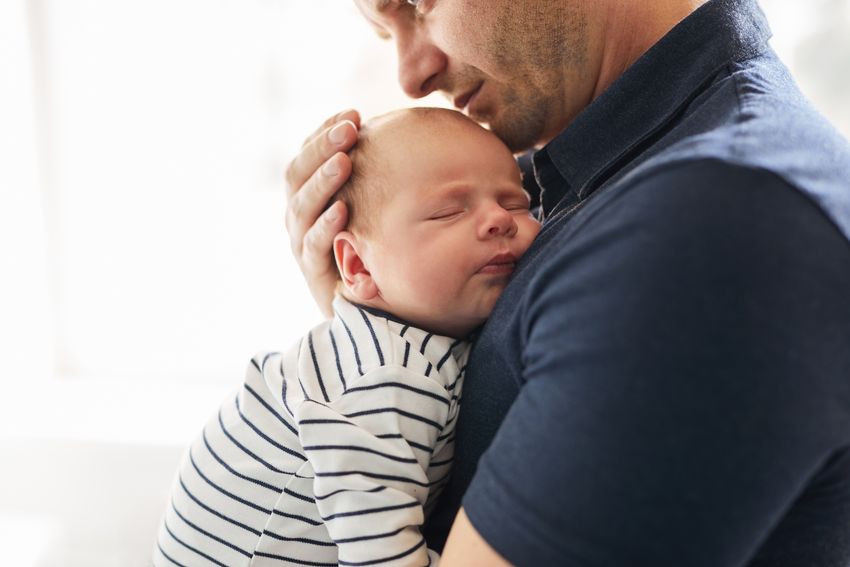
[(331, 453)]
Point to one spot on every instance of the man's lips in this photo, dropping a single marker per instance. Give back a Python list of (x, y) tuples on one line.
[(463, 100), (499, 264)]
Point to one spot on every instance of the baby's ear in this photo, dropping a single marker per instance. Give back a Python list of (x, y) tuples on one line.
[(349, 261)]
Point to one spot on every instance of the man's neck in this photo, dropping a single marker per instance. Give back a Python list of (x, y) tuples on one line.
[(630, 28)]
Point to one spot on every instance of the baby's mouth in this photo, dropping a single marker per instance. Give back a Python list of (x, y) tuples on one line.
[(500, 264)]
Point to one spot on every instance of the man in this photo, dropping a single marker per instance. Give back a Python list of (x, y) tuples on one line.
[(666, 380)]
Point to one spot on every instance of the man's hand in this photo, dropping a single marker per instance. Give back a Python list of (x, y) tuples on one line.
[(312, 178)]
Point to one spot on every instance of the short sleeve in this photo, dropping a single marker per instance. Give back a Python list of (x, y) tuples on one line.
[(685, 364)]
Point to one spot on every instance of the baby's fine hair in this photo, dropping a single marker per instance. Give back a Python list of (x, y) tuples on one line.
[(366, 189)]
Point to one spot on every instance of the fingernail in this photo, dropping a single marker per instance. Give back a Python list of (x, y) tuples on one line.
[(331, 215), (331, 168), (337, 134)]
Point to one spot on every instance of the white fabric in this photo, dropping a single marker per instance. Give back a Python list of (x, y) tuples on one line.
[(328, 454)]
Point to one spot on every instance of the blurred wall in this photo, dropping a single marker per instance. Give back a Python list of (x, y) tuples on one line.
[(141, 238)]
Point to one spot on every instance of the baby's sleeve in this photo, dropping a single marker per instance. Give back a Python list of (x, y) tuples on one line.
[(370, 451)]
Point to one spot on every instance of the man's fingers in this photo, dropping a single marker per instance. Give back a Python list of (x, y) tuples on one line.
[(339, 137), (307, 204), (317, 250), (351, 115)]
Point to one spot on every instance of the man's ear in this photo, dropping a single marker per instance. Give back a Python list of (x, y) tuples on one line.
[(355, 275)]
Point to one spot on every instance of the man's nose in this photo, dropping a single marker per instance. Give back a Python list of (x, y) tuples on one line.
[(419, 64), (498, 222)]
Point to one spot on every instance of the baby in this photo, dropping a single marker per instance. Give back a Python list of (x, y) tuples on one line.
[(331, 453)]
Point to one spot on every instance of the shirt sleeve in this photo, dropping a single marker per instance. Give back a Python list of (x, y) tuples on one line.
[(683, 364), (370, 451)]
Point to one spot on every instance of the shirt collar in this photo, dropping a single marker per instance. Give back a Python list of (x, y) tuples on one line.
[(649, 95)]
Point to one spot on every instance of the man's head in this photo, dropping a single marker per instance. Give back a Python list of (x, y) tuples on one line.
[(506, 62), (525, 68), (437, 219)]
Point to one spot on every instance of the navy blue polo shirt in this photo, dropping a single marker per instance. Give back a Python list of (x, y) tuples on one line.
[(666, 380)]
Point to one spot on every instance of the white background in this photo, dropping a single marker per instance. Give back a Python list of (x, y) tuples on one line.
[(142, 250)]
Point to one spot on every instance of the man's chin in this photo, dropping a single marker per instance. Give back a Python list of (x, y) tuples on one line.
[(516, 134), (517, 142)]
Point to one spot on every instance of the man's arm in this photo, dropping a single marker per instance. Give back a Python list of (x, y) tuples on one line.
[(685, 365), (466, 548)]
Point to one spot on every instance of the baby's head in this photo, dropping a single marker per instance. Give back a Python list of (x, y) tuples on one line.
[(437, 219)]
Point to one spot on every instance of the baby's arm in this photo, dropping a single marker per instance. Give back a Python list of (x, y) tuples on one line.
[(370, 451)]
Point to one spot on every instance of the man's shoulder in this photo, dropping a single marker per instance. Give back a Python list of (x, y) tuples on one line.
[(754, 119), (711, 207)]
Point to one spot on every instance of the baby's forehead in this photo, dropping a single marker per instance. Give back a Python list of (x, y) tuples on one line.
[(420, 123)]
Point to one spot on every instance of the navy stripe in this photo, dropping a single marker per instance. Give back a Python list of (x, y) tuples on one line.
[(304, 519), (262, 365), (283, 390), (338, 363), (370, 537), (257, 366), (452, 386), (316, 367), (413, 444), (403, 386), (374, 475), (443, 478), (234, 471), (293, 560), (362, 450), (448, 354), (298, 496), (399, 412), (374, 336), (335, 492), (367, 511), (208, 534), (406, 353), (420, 446), (433, 464), (272, 411), (271, 441), (428, 370), (189, 547), (425, 343), (299, 539), (385, 559), (451, 419), (215, 512), (298, 375), (324, 421), (225, 492), (247, 451), (353, 344), (164, 554), (404, 330)]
